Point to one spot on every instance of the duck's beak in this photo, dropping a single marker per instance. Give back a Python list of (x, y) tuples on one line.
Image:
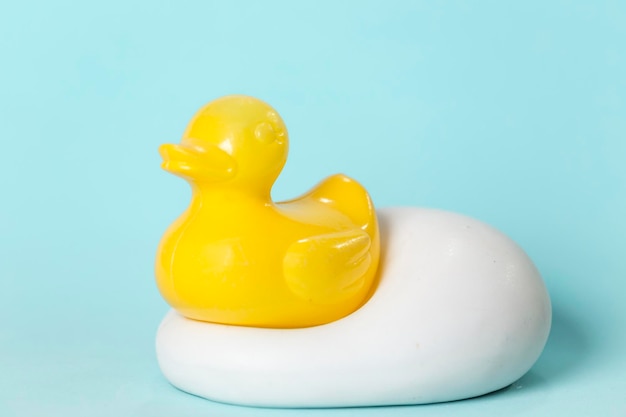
[(201, 163)]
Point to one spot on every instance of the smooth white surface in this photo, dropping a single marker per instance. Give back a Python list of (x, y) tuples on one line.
[(460, 311)]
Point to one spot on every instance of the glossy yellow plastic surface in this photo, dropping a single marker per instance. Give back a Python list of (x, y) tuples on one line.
[(235, 256)]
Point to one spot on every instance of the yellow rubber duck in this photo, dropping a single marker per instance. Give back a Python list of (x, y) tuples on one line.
[(235, 256)]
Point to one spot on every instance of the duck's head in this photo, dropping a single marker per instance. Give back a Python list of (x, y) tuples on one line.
[(236, 140)]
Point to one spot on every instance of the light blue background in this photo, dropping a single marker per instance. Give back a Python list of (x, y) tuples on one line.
[(512, 113)]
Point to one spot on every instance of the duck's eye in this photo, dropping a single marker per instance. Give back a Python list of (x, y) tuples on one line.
[(265, 133)]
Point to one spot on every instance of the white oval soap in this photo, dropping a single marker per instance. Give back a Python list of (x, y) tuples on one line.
[(459, 311)]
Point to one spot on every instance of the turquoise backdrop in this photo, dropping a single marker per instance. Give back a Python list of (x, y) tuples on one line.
[(510, 112)]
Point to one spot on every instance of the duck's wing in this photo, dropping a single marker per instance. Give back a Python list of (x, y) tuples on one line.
[(328, 268), (344, 194)]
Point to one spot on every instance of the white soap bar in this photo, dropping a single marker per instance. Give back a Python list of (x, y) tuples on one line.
[(459, 311)]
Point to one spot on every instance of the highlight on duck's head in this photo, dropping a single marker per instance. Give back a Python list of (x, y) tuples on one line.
[(238, 139)]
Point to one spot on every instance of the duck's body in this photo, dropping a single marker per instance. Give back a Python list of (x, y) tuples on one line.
[(235, 257)]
